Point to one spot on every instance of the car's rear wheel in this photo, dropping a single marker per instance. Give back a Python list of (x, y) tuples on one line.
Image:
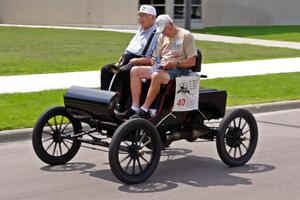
[(237, 137)]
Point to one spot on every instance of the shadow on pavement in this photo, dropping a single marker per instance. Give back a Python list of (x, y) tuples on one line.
[(79, 166), (195, 171), (176, 168)]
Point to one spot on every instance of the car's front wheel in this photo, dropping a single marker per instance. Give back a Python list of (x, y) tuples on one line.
[(130, 158)]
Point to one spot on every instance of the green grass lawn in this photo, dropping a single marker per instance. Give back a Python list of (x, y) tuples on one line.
[(22, 110), (216, 52), (258, 89), (31, 50), (283, 33)]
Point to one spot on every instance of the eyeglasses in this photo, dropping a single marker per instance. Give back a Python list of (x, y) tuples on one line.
[(140, 15)]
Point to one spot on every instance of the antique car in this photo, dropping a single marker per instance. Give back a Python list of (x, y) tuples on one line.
[(135, 145)]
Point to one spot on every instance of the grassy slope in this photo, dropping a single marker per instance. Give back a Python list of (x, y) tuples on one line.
[(22, 110), (258, 89), (216, 52), (28, 50)]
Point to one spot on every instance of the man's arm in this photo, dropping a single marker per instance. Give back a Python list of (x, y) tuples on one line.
[(189, 62), (141, 61)]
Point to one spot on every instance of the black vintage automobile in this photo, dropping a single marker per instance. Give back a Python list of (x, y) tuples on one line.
[(135, 145)]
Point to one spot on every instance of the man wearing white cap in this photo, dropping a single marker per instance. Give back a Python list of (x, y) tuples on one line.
[(138, 52), (175, 53)]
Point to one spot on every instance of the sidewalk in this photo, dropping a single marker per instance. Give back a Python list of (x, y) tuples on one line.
[(198, 36), (39, 82)]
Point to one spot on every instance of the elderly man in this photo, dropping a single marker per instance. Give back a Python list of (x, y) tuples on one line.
[(138, 52), (176, 51)]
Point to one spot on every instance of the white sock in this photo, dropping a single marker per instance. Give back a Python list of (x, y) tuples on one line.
[(144, 109), (135, 108)]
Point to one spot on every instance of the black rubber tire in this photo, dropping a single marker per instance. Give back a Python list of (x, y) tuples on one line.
[(232, 134), (143, 131), (54, 135)]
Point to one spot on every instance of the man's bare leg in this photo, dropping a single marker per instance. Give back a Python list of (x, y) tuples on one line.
[(136, 75), (157, 79)]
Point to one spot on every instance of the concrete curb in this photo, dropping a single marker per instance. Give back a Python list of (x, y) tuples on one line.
[(270, 107), (15, 135), (25, 134)]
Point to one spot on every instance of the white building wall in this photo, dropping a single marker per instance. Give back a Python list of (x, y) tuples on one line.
[(123, 12), (251, 12), (58, 12)]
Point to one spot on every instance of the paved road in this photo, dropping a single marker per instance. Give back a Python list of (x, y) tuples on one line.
[(189, 171)]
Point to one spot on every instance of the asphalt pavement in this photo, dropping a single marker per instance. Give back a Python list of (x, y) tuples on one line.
[(186, 171)]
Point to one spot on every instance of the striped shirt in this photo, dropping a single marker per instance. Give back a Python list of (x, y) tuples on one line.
[(139, 41)]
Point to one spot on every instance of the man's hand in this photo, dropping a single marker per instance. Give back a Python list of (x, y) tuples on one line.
[(169, 65), (152, 61)]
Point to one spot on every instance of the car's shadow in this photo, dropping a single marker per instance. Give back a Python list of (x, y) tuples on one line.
[(176, 168)]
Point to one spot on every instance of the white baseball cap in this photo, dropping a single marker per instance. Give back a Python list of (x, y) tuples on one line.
[(162, 21), (147, 9)]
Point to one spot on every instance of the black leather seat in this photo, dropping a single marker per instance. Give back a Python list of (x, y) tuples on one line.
[(197, 67)]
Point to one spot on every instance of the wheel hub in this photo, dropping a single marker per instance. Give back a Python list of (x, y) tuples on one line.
[(134, 151), (234, 138), (57, 137)]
